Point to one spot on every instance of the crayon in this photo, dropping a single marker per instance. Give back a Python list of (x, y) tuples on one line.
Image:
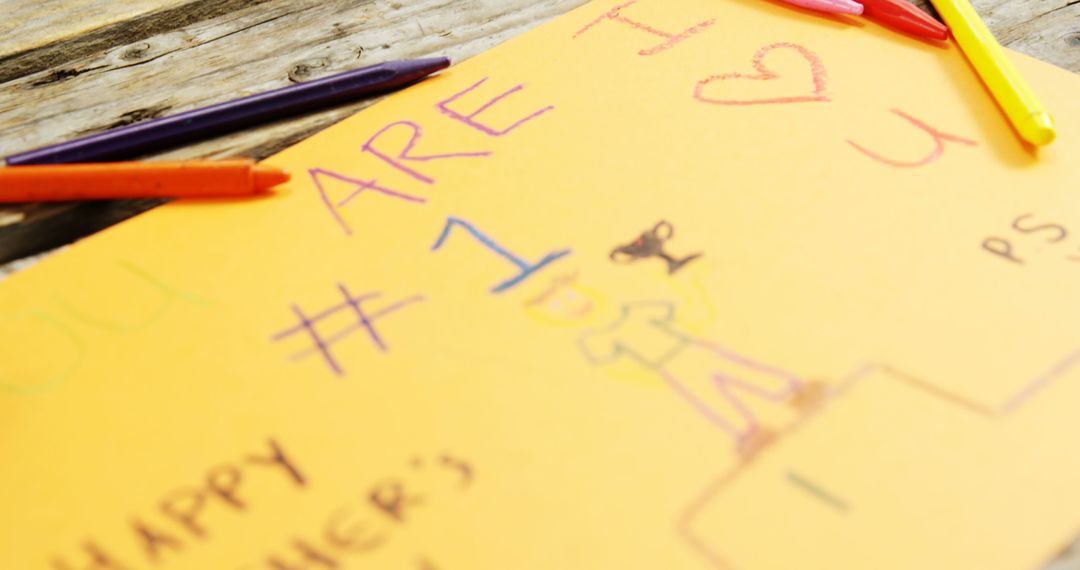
[(830, 6), (1022, 107), (905, 17), (128, 142), (189, 179)]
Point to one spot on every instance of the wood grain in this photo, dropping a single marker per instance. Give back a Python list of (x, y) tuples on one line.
[(29, 25), (27, 57), (102, 70)]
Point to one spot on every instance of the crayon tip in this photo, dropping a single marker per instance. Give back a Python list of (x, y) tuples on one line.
[(268, 176), (419, 67), (1038, 129), (937, 31), (904, 16)]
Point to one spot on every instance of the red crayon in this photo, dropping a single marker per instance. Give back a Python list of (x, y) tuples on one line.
[(906, 17)]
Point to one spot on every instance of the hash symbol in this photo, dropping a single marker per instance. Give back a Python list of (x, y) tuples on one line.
[(364, 321)]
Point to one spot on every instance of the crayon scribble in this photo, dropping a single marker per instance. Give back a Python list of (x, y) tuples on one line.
[(525, 268), (710, 548), (361, 186), (38, 386), (940, 138), (365, 321), (405, 154), (471, 121), (818, 80), (169, 295), (686, 525), (646, 334), (670, 40), (817, 491), (1017, 400)]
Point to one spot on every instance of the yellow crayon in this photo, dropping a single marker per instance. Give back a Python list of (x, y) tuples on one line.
[(1024, 110)]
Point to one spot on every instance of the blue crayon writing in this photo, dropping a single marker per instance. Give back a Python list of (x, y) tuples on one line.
[(525, 268)]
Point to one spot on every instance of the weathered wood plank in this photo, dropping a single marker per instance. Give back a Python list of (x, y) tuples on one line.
[(1052, 36), (29, 25), (228, 56), (169, 17)]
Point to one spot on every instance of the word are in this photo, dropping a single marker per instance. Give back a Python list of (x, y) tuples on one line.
[(180, 517), (408, 160), (364, 322), (358, 187)]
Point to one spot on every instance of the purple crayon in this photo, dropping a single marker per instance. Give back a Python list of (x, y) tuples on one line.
[(140, 138)]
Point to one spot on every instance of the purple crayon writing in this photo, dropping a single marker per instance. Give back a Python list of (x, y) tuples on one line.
[(365, 321)]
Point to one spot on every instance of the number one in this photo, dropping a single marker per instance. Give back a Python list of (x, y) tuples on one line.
[(525, 268)]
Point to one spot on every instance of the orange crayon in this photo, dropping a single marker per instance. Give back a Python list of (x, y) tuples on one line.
[(190, 179)]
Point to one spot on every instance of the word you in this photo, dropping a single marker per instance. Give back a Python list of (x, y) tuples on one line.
[(768, 86)]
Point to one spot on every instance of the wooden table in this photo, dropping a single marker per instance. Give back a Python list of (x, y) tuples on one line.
[(72, 67)]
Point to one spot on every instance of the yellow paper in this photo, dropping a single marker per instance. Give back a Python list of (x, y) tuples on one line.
[(665, 284)]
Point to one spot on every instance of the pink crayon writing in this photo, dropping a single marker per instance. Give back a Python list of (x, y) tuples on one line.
[(670, 40), (772, 93), (940, 138), (471, 119), (398, 161)]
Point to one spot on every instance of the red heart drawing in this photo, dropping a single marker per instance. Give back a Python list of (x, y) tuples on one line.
[(765, 74)]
